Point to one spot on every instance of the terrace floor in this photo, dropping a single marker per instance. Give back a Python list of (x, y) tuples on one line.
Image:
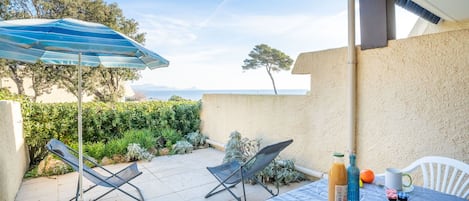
[(165, 178)]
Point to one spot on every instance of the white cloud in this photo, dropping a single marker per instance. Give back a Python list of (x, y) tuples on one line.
[(166, 31), (207, 52), (291, 33), (217, 10)]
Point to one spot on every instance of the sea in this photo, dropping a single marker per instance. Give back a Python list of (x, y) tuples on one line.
[(196, 94)]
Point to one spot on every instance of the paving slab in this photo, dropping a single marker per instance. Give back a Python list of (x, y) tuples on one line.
[(166, 178)]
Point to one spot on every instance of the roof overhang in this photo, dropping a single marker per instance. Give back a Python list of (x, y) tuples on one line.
[(450, 10)]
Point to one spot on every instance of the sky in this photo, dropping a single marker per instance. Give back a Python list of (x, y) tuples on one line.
[(206, 41)]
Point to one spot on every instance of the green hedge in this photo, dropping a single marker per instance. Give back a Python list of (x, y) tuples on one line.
[(103, 121)]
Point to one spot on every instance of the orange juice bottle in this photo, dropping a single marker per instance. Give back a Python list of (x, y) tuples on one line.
[(338, 179)]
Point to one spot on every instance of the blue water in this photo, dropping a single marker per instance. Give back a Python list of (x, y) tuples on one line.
[(197, 94)]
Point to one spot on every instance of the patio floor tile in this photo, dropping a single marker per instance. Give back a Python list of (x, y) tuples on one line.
[(166, 178)]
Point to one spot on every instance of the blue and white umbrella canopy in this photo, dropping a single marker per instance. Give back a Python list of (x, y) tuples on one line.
[(73, 42), (59, 41)]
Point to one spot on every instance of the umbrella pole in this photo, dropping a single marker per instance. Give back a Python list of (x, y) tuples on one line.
[(352, 73), (80, 131)]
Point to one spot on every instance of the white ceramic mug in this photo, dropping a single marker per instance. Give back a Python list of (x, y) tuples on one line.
[(393, 179)]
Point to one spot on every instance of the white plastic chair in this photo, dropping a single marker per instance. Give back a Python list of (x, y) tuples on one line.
[(443, 174)]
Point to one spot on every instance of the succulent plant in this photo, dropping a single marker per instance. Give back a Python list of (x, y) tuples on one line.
[(182, 147), (196, 139), (279, 171), (135, 152)]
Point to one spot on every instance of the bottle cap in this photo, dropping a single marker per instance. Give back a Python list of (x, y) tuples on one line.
[(337, 154)]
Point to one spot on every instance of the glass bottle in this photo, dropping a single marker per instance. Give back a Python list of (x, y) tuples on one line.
[(353, 179), (338, 179)]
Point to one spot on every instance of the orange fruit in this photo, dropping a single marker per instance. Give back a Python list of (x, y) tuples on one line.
[(367, 175)]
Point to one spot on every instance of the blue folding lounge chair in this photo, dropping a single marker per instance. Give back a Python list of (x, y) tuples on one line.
[(232, 173), (114, 181)]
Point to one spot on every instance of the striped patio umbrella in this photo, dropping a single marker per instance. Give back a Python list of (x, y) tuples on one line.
[(73, 42)]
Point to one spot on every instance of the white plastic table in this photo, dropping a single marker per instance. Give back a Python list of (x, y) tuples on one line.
[(317, 191)]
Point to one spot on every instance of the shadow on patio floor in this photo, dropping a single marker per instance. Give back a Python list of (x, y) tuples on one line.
[(165, 178)]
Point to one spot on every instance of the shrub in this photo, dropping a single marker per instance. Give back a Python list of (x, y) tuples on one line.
[(52, 166), (170, 135), (186, 116), (5, 94), (177, 98), (103, 122), (242, 149), (196, 139), (183, 147), (282, 172), (142, 137), (95, 150), (117, 146), (135, 152)]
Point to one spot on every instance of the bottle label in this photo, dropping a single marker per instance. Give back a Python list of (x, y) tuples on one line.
[(340, 192)]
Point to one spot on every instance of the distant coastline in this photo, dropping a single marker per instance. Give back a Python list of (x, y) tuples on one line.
[(196, 94)]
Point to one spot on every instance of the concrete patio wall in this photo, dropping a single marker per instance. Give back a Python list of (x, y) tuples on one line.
[(14, 160), (270, 118), (413, 101)]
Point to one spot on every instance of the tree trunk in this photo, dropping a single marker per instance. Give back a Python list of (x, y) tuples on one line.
[(99, 96), (271, 78), (36, 91), (16, 77)]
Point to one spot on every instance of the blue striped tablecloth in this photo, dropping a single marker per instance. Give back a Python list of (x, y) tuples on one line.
[(317, 191)]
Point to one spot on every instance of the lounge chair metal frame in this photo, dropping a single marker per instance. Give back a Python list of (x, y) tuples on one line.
[(114, 181), (232, 173)]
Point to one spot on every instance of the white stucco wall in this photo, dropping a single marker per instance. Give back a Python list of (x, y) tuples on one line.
[(57, 95), (413, 101), (14, 160), (267, 117)]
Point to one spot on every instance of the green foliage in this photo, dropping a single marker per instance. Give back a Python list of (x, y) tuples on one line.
[(5, 94), (170, 135), (233, 148), (196, 139), (264, 56), (103, 83), (31, 173), (186, 116), (114, 147), (95, 150), (43, 78), (183, 147), (240, 149), (271, 59), (176, 98), (169, 145), (144, 138), (110, 79), (106, 122), (135, 152), (13, 70), (281, 172)]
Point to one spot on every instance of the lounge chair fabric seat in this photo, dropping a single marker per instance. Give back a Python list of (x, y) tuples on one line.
[(231, 173), (114, 181)]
